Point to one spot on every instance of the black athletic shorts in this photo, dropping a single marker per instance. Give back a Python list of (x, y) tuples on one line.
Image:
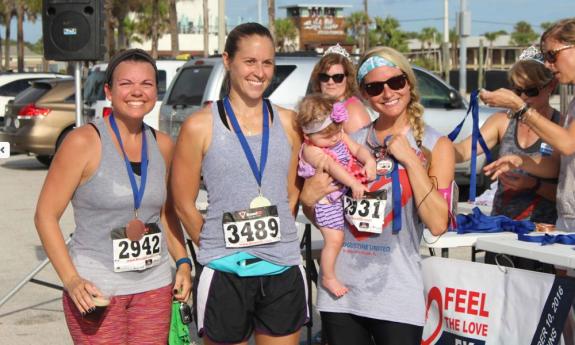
[(228, 308)]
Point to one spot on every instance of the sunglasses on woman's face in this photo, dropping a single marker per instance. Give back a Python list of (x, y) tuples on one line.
[(529, 91), (395, 83), (337, 78), (551, 55)]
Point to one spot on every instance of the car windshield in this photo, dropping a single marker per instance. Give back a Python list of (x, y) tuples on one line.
[(189, 87), (94, 87)]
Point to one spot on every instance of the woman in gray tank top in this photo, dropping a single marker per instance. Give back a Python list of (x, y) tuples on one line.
[(520, 195), (249, 278), (117, 276), (558, 49)]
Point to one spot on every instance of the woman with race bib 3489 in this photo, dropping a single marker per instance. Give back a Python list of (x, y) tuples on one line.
[(250, 279)]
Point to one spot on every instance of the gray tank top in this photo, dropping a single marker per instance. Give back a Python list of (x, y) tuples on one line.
[(383, 271), (105, 202), (231, 186), (566, 186), (524, 204)]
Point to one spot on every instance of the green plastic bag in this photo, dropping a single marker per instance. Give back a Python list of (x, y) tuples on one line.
[(179, 332)]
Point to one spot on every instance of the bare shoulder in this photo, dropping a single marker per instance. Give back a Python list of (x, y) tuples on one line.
[(80, 151), (442, 147), (165, 143), (82, 140), (288, 120), (198, 122)]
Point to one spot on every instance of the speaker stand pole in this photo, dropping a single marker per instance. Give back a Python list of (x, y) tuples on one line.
[(78, 82), (30, 278)]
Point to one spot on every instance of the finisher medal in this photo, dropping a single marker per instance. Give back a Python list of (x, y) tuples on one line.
[(260, 201), (135, 229)]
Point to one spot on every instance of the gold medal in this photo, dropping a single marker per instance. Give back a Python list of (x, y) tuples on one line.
[(260, 201)]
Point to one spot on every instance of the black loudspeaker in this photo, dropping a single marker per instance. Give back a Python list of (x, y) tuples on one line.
[(73, 30)]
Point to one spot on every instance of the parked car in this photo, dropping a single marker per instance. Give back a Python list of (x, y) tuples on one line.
[(12, 84), (40, 117), (96, 105), (201, 81)]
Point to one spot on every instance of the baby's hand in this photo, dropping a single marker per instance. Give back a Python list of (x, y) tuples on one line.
[(369, 169), (357, 190)]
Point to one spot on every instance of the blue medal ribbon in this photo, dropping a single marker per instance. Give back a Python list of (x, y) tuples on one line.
[(548, 239), (475, 137), (138, 193), (395, 192), (258, 173)]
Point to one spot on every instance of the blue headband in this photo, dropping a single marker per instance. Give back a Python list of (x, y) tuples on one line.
[(370, 64)]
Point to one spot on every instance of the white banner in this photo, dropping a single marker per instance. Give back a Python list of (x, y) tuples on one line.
[(472, 303)]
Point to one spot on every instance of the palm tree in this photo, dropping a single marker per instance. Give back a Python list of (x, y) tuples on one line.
[(9, 12), (491, 37), (427, 36), (131, 32), (285, 30), (272, 16), (454, 41), (174, 27), (523, 34), (111, 22), (354, 23), (387, 33), (29, 9), (155, 32)]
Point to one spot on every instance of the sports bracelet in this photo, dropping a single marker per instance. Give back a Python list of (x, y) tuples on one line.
[(519, 113), (183, 261)]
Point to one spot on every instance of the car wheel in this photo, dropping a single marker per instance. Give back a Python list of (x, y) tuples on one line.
[(44, 159)]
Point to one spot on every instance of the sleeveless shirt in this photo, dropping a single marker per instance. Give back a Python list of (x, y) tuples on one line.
[(523, 204), (566, 186), (106, 202), (231, 186), (383, 271)]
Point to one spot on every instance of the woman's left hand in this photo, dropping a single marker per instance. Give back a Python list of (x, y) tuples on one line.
[(502, 98), (517, 181), (183, 283)]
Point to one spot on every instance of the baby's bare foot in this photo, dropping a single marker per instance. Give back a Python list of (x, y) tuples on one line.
[(334, 286)]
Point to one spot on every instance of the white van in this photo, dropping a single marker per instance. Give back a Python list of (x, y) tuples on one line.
[(96, 105)]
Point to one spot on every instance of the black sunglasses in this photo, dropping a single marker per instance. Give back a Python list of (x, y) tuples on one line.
[(395, 83), (529, 91), (551, 55), (337, 78)]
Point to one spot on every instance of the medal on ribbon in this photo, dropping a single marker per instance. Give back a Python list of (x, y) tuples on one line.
[(135, 229), (259, 200)]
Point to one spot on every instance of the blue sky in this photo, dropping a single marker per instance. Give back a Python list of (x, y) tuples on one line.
[(486, 15)]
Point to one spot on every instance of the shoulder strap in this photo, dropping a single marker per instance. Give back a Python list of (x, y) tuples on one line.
[(153, 132), (95, 128), (222, 112), (270, 109)]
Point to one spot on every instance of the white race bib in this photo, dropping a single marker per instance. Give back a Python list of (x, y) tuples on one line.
[(251, 227), (137, 255), (366, 215)]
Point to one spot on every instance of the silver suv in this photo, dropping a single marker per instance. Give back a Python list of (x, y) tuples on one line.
[(201, 81)]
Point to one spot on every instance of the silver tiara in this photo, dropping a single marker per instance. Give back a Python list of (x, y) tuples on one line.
[(532, 53), (337, 49)]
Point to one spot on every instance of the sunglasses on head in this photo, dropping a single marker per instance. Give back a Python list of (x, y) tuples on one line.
[(337, 78), (395, 83), (551, 55)]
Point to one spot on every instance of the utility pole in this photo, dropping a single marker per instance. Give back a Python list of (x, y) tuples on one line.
[(464, 32), (221, 25), (260, 11), (272, 17), (366, 27), (206, 30), (481, 70), (445, 45)]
